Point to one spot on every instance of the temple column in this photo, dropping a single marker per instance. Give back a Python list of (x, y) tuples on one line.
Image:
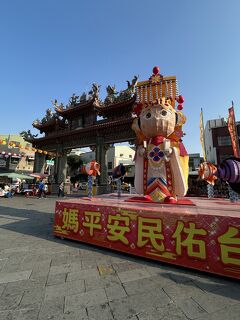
[(55, 173), (61, 168), (101, 158), (39, 162)]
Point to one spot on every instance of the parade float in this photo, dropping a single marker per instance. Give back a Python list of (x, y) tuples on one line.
[(159, 222)]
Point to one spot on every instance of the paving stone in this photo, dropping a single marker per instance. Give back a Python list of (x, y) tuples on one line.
[(132, 275), (215, 301), (28, 314), (84, 300), (2, 287), (60, 259), (79, 314), (83, 274), (10, 302), (190, 308), (103, 311), (51, 309), (226, 313), (89, 263), (135, 304), (115, 292), (212, 283), (41, 269), (182, 290), (6, 277), (64, 289), (231, 293), (105, 269), (19, 287), (146, 284), (3, 261), (9, 315), (65, 268), (169, 312), (101, 282), (126, 266), (32, 297), (56, 278), (179, 277)]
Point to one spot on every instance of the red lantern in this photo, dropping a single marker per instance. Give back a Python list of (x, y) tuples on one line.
[(180, 107), (156, 70), (180, 99)]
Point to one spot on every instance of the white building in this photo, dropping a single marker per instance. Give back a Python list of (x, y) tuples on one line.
[(115, 156), (218, 141)]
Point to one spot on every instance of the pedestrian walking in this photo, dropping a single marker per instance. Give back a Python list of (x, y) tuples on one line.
[(61, 190)]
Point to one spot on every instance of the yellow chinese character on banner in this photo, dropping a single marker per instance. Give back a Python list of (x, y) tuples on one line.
[(230, 245), (117, 226), (92, 221), (195, 247), (70, 220), (150, 230)]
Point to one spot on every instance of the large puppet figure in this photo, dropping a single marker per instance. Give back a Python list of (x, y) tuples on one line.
[(161, 161)]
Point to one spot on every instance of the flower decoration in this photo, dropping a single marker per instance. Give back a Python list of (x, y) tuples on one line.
[(156, 154)]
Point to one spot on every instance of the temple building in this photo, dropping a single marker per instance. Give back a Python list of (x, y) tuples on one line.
[(88, 121)]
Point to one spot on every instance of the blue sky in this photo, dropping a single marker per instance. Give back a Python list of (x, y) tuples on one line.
[(52, 48)]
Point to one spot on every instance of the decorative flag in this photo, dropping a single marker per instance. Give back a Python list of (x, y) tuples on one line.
[(202, 139), (233, 131)]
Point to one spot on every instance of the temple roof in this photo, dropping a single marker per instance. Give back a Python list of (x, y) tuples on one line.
[(49, 125), (92, 129), (71, 111), (121, 106)]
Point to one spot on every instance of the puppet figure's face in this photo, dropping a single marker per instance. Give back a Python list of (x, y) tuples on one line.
[(157, 120)]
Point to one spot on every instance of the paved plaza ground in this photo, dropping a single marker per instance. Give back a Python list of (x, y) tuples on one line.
[(43, 277)]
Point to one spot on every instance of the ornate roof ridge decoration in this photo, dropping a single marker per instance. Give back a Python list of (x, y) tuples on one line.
[(114, 97), (61, 110), (102, 109), (28, 136), (50, 120), (78, 102)]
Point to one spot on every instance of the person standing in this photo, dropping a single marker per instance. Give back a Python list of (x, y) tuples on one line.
[(61, 190), (41, 189)]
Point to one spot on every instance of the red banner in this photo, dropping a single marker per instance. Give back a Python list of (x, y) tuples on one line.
[(199, 237), (233, 131)]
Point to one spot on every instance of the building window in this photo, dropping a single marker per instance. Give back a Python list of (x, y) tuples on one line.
[(224, 156), (109, 165), (121, 155), (130, 156), (191, 164), (224, 141)]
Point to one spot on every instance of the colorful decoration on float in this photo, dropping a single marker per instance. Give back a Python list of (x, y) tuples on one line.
[(118, 175), (202, 139), (161, 161), (233, 131), (92, 169), (229, 171)]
